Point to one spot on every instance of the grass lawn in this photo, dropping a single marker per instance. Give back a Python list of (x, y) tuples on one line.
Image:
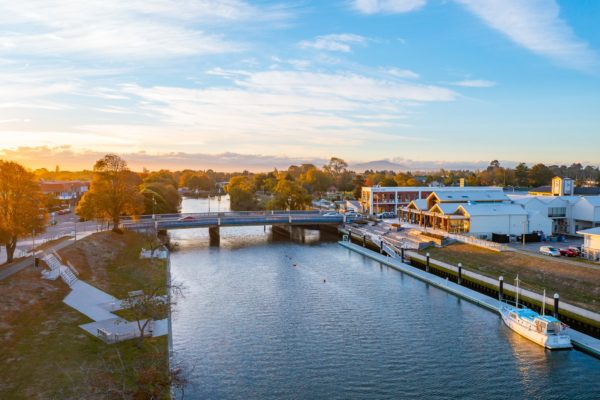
[(577, 285), (44, 352)]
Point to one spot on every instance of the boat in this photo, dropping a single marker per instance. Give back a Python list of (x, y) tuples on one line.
[(544, 330)]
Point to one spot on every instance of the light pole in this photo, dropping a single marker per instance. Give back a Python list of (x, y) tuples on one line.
[(523, 236), (33, 245), (153, 207), (75, 231), (290, 205)]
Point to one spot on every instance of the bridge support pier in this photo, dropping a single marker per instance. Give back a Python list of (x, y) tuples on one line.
[(215, 235)]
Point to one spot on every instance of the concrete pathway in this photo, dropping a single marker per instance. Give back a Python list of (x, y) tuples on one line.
[(9, 270)]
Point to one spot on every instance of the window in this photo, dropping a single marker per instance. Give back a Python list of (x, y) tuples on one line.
[(557, 212)]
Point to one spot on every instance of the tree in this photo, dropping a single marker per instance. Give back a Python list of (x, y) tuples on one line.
[(289, 195), (522, 174), (316, 180), (241, 193), (114, 191), (540, 175), (21, 205)]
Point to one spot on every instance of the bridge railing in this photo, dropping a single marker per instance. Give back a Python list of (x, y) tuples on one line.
[(147, 217)]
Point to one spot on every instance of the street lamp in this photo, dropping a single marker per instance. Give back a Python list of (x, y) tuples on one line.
[(153, 207), (290, 204)]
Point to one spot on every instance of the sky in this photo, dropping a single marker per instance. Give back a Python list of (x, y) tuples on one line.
[(236, 84)]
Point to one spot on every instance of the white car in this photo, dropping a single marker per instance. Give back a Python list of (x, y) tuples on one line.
[(550, 251), (332, 214), (352, 214)]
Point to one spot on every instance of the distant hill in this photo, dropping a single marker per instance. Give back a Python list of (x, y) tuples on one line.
[(377, 165)]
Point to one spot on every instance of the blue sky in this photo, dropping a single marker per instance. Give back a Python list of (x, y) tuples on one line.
[(178, 83)]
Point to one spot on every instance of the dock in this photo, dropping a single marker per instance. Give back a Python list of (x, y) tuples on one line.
[(580, 340)]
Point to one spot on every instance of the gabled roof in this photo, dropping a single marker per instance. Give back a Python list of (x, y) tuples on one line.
[(463, 196), (541, 189), (418, 204), (593, 200), (444, 208), (492, 209), (591, 231)]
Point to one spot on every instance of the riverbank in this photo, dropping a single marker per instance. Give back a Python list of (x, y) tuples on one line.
[(45, 353), (583, 342), (577, 285)]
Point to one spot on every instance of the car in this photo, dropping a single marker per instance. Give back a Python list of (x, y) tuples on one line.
[(550, 251), (186, 218), (576, 249), (352, 214), (332, 214), (567, 252), (386, 215)]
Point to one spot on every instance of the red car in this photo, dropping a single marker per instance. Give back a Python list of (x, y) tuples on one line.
[(186, 218), (567, 253)]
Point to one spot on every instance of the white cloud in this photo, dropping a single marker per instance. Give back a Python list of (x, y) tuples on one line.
[(475, 83), (535, 25), (335, 42), (122, 29), (387, 6), (402, 73)]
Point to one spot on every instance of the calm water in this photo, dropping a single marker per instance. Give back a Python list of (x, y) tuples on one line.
[(258, 322)]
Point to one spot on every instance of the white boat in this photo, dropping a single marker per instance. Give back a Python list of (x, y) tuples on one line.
[(542, 329)]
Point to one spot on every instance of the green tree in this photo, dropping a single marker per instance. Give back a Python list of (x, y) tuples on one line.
[(540, 175), (21, 206), (522, 174), (114, 191)]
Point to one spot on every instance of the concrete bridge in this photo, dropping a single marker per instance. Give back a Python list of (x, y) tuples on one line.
[(215, 220)]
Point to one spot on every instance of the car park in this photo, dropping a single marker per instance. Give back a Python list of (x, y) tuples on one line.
[(550, 251)]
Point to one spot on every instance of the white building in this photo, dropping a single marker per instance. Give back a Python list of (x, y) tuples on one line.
[(379, 199), (479, 213), (591, 243)]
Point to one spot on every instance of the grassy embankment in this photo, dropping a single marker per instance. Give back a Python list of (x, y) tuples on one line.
[(577, 285), (44, 352)]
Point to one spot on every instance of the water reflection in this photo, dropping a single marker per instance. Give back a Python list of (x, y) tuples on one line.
[(258, 322)]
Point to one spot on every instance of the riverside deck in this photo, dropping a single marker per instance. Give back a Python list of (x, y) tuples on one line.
[(580, 340)]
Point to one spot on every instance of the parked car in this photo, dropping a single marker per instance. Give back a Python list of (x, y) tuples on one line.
[(576, 249), (352, 214), (567, 252), (332, 214), (386, 215), (550, 251)]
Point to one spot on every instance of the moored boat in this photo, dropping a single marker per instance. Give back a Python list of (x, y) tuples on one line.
[(542, 329)]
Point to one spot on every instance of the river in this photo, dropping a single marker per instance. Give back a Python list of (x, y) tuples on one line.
[(266, 318)]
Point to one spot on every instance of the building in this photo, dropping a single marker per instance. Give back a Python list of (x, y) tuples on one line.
[(65, 191), (379, 199), (479, 213), (564, 187), (591, 243)]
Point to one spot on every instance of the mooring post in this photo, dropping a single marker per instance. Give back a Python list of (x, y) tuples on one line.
[(402, 255), (364, 241), (500, 288), (556, 300), (459, 280), (427, 264)]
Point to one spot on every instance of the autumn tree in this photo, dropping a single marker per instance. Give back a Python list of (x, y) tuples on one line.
[(160, 193), (21, 206), (289, 195), (241, 193), (316, 180), (114, 191)]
